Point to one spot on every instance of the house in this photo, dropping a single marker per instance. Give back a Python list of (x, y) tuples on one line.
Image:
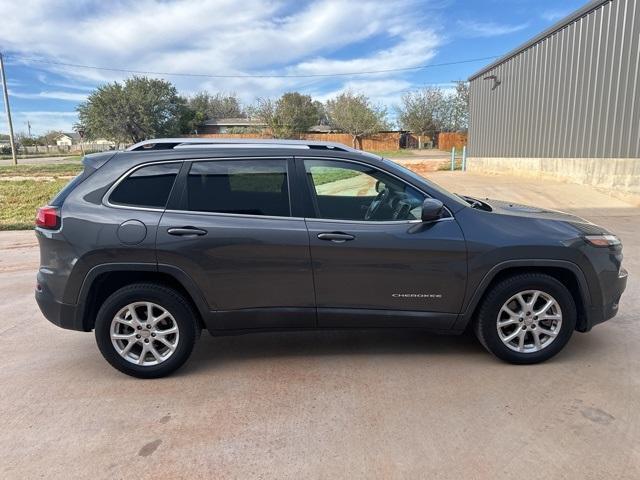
[(565, 103), (228, 125), (66, 139), (103, 141)]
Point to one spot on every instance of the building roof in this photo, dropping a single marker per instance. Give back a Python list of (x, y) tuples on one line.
[(71, 135), (321, 129), (234, 122), (581, 12)]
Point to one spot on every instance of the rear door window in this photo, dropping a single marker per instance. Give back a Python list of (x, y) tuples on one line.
[(243, 187), (148, 186)]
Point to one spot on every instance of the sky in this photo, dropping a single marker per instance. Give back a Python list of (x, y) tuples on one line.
[(284, 41)]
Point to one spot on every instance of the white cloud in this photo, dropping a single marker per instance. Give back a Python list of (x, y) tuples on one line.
[(56, 95), (472, 28), (219, 37), (41, 121), (554, 15)]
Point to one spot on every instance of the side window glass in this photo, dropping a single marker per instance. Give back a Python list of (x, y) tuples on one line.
[(248, 187), (350, 191), (148, 186)]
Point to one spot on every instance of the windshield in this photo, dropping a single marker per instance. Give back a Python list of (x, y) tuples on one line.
[(432, 185)]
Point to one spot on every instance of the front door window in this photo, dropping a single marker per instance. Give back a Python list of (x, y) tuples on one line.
[(344, 190)]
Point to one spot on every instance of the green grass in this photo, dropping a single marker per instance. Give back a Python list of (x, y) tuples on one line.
[(393, 153), (22, 156), (322, 175), (19, 201), (46, 170)]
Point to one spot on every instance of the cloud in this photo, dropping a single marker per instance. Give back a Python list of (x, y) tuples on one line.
[(414, 48), (554, 15), (41, 121), (55, 95), (218, 37), (472, 28)]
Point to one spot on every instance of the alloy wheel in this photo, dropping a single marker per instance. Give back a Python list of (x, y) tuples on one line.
[(529, 321), (144, 333)]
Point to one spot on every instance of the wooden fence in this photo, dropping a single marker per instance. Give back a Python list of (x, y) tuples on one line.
[(377, 142), (449, 140)]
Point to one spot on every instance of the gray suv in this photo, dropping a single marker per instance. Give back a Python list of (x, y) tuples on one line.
[(149, 246)]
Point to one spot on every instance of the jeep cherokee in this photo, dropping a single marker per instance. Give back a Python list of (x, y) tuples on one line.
[(146, 247)]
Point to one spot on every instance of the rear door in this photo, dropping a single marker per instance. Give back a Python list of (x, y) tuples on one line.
[(375, 263), (231, 230)]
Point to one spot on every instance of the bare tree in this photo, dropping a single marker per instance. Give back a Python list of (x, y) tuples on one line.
[(220, 105), (289, 116), (458, 109), (356, 115), (423, 112)]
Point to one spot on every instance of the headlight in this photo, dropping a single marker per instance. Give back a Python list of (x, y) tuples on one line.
[(603, 240)]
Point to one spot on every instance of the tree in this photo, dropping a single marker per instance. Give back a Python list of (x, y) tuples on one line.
[(203, 106), (49, 138), (457, 118), (355, 114), (138, 109), (423, 112), (289, 116), (323, 118)]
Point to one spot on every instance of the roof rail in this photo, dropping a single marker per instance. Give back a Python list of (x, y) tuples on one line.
[(183, 143)]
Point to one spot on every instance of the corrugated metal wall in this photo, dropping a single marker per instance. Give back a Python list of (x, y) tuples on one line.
[(573, 94)]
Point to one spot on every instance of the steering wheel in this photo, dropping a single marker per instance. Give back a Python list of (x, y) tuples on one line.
[(377, 202)]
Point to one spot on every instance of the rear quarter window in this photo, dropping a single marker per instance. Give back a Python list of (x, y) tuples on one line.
[(148, 186), (62, 195)]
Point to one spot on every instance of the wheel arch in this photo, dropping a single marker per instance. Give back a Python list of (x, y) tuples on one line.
[(103, 280), (568, 273)]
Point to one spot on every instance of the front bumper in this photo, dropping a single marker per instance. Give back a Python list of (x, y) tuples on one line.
[(601, 313)]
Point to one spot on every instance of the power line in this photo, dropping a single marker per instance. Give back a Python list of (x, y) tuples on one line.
[(205, 75)]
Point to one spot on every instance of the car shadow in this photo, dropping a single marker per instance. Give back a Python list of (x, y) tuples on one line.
[(213, 352), (220, 352)]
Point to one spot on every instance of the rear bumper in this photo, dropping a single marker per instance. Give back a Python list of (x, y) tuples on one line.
[(601, 313), (60, 314)]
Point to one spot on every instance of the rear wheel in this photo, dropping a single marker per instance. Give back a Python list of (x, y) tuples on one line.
[(526, 318), (146, 330)]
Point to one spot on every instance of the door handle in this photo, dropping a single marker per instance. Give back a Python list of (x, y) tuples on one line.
[(336, 237), (186, 231)]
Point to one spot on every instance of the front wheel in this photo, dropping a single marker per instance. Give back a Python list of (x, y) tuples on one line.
[(526, 318), (146, 330)]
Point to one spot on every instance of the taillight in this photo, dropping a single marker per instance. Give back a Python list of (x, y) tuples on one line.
[(48, 217)]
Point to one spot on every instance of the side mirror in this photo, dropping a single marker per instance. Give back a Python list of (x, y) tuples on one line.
[(431, 209)]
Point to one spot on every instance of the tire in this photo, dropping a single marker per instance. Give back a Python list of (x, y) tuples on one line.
[(500, 331), (172, 320)]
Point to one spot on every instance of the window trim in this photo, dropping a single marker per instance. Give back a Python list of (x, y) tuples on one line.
[(106, 199), (309, 194)]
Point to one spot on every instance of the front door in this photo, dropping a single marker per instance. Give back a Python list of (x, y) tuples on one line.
[(374, 262), (233, 234)]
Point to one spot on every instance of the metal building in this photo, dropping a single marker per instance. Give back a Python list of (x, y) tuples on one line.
[(566, 103)]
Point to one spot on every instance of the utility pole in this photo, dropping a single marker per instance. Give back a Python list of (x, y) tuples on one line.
[(29, 127), (3, 75)]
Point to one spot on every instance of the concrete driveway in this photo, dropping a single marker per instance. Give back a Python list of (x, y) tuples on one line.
[(327, 404)]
